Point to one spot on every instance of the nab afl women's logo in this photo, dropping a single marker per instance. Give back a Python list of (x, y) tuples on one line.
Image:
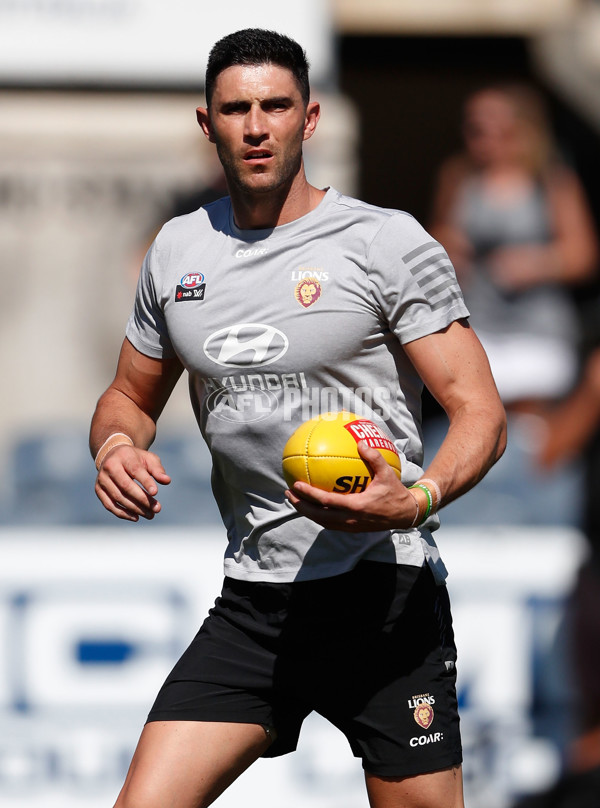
[(307, 292), (191, 287)]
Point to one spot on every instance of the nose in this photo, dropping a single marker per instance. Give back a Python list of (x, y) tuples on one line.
[(255, 123)]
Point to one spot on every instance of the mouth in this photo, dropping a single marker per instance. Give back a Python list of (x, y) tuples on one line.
[(257, 156)]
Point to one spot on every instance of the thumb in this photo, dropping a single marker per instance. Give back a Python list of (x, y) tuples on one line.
[(155, 467), (372, 457)]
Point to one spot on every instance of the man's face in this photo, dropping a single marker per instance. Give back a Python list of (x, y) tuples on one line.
[(258, 121)]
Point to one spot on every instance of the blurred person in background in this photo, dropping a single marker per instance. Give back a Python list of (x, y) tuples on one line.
[(515, 222)]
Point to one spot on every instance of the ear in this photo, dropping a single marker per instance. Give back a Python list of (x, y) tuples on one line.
[(313, 113), (203, 118)]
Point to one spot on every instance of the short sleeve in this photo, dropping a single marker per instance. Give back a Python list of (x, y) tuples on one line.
[(147, 329), (413, 280)]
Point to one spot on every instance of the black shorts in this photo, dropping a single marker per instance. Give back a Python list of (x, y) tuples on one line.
[(371, 650)]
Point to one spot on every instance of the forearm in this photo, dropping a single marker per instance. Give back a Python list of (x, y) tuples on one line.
[(475, 440), (454, 367), (135, 399), (117, 413)]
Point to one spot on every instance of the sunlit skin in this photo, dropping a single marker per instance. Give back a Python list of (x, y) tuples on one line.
[(258, 121)]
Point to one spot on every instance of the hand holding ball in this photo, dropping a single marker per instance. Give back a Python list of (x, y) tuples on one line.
[(324, 452)]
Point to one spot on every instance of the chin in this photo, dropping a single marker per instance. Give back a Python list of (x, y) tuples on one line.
[(262, 184)]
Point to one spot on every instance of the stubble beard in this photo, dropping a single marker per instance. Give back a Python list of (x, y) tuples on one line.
[(275, 179)]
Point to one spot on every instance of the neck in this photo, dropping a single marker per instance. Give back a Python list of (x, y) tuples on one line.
[(261, 211)]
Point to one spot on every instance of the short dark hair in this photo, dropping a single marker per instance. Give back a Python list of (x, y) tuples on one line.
[(256, 46)]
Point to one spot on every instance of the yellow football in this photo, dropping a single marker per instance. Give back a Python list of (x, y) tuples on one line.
[(323, 452)]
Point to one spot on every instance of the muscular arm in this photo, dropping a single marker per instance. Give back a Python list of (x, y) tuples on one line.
[(132, 405), (454, 367)]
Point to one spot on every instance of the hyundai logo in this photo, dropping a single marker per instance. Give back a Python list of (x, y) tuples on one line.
[(246, 345)]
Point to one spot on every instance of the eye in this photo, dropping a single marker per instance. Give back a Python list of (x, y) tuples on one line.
[(235, 108), (276, 105)]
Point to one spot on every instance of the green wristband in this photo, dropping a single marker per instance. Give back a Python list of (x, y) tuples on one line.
[(429, 500)]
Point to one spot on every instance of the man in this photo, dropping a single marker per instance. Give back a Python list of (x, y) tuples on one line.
[(331, 602)]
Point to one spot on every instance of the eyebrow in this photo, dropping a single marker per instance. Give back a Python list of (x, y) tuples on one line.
[(279, 99), (228, 106)]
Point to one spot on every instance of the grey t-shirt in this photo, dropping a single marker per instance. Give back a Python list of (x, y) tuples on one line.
[(277, 326)]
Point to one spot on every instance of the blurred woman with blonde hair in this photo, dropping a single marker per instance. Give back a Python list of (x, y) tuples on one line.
[(515, 222)]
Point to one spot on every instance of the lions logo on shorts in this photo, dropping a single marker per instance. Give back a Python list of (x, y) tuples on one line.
[(423, 715), (423, 709), (307, 292)]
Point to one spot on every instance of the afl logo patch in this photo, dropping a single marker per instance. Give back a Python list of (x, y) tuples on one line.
[(191, 287), (307, 292), (192, 280)]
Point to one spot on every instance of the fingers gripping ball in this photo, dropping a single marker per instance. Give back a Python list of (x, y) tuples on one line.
[(324, 452)]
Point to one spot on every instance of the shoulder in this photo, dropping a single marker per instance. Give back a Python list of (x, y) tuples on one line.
[(358, 207), (374, 218), (389, 229), (393, 238)]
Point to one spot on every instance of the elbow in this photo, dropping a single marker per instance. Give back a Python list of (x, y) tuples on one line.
[(500, 447), (501, 436)]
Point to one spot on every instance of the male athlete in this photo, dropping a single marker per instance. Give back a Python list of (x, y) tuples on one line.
[(330, 602)]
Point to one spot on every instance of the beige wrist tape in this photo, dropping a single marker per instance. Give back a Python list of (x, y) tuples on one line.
[(434, 487), (116, 439)]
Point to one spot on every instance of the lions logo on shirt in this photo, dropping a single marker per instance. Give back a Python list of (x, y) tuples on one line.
[(307, 292)]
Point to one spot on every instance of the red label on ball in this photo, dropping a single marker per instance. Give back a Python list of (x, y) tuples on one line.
[(370, 432)]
